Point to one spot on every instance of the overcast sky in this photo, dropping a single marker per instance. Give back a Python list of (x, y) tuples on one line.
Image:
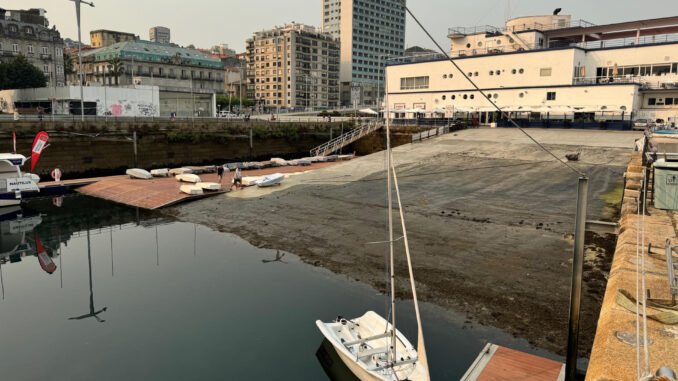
[(209, 22)]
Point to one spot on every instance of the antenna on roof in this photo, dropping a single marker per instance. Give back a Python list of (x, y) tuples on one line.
[(555, 13)]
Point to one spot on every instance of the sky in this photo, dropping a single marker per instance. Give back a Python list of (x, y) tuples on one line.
[(205, 23)]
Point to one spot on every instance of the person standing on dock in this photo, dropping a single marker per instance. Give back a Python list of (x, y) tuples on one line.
[(220, 173)]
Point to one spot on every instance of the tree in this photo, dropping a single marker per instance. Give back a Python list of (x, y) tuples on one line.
[(116, 68), (68, 64), (19, 73), (223, 101)]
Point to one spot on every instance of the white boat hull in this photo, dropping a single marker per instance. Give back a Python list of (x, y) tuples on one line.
[(188, 178), (191, 189), (162, 172), (209, 186), (271, 180), (362, 359), (137, 173)]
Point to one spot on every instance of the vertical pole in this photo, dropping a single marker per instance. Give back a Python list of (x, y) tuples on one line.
[(577, 270), (240, 87), (134, 137), (251, 144), (82, 103)]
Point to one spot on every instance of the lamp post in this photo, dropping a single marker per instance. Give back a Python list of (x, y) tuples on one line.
[(77, 16), (240, 86)]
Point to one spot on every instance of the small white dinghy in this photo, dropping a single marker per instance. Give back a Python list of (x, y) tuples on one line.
[(162, 172), (248, 181), (209, 186), (191, 189), (279, 162), (271, 180), (138, 173), (188, 178), (363, 345), (179, 171)]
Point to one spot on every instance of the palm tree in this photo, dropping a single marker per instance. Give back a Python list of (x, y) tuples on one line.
[(116, 68)]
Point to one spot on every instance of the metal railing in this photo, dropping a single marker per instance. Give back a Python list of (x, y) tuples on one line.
[(346, 139), (517, 28), (435, 132), (645, 82)]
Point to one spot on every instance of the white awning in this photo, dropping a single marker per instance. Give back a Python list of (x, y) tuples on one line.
[(368, 111)]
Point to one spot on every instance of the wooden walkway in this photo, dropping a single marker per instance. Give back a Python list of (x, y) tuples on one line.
[(497, 363), (159, 192)]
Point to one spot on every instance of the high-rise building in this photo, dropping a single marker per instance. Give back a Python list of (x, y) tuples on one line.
[(101, 38), (159, 34), (369, 31), (294, 67)]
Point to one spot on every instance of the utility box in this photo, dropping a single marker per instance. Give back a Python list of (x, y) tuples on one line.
[(666, 184)]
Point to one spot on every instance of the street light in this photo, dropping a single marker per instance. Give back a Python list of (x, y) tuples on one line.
[(77, 15)]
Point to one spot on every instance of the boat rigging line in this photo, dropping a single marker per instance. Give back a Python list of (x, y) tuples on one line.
[(503, 113)]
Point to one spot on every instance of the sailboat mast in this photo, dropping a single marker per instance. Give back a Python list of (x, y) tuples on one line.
[(389, 164)]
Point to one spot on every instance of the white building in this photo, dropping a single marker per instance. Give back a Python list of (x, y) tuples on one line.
[(369, 31), (547, 71)]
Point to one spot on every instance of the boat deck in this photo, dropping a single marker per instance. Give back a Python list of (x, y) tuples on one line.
[(498, 363), (160, 191)]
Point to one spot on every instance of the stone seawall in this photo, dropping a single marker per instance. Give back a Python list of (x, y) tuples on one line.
[(103, 148)]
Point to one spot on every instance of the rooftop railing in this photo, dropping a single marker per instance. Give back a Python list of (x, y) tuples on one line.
[(465, 31)]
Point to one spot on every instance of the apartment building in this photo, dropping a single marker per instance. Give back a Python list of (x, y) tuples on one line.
[(101, 37), (27, 32), (159, 34), (294, 67), (369, 32)]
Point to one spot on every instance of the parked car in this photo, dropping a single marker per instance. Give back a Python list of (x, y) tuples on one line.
[(642, 124), (229, 115)]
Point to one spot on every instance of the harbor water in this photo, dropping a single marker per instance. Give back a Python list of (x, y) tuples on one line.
[(137, 296)]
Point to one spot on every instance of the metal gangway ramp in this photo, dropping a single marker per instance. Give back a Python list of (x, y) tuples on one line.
[(346, 139)]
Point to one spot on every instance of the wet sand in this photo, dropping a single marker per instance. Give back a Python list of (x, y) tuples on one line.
[(489, 215)]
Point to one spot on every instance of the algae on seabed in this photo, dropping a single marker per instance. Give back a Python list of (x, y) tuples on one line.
[(612, 209)]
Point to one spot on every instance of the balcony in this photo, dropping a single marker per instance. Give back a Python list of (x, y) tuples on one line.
[(46, 56), (652, 82)]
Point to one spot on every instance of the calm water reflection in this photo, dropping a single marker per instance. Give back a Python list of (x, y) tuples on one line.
[(133, 296)]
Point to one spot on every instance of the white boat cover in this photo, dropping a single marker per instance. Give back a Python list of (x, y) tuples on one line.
[(191, 189), (179, 171), (278, 161), (188, 178), (209, 186), (139, 173), (162, 172), (248, 181)]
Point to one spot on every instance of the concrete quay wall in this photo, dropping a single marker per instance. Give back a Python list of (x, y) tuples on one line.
[(613, 356)]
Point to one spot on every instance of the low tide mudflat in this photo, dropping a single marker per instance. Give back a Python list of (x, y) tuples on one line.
[(490, 218)]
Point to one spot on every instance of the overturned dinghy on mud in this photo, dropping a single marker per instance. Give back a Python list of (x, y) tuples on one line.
[(271, 180), (179, 171), (161, 172), (209, 186)]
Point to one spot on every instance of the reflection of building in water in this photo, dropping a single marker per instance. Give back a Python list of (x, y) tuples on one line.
[(14, 226)]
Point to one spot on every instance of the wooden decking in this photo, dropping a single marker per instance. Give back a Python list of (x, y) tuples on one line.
[(497, 363), (159, 192)]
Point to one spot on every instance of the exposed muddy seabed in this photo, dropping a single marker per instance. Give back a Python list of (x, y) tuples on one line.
[(489, 216)]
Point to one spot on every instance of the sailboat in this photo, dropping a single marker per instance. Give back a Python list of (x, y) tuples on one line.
[(371, 346)]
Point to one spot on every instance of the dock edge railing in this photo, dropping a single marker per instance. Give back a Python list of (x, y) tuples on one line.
[(346, 139)]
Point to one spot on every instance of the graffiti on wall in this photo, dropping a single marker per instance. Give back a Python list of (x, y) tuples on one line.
[(147, 109), (116, 110)]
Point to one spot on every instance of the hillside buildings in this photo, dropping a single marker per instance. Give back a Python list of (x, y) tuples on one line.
[(101, 38), (293, 67), (547, 71), (159, 34), (27, 32), (369, 32)]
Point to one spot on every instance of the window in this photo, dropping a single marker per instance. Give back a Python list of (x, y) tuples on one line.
[(450, 76), (476, 74), (444, 76), (45, 68), (545, 72), (444, 97), (472, 96), (465, 96), (522, 95), (669, 101), (470, 74), (651, 101), (521, 71), (498, 72), (413, 83), (513, 71), (551, 96), (44, 50), (453, 97), (30, 49), (491, 72), (15, 47)]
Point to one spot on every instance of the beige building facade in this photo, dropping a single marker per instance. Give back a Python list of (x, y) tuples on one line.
[(294, 67), (101, 38)]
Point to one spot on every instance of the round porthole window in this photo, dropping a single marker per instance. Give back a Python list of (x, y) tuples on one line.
[(453, 97), (444, 76), (491, 72), (496, 95), (450, 75), (470, 74), (465, 96), (513, 71), (521, 71), (480, 43), (498, 42), (472, 96), (468, 46), (498, 72), (444, 97), (476, 74), (521, 95)]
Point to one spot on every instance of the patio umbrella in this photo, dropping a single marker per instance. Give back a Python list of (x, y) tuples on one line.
[(368, 111)]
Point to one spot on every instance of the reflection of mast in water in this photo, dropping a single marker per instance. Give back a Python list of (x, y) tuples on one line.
[(157, 248), (195, 236), (2, 283), (92, 311), (112, 274), (61, 269)]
